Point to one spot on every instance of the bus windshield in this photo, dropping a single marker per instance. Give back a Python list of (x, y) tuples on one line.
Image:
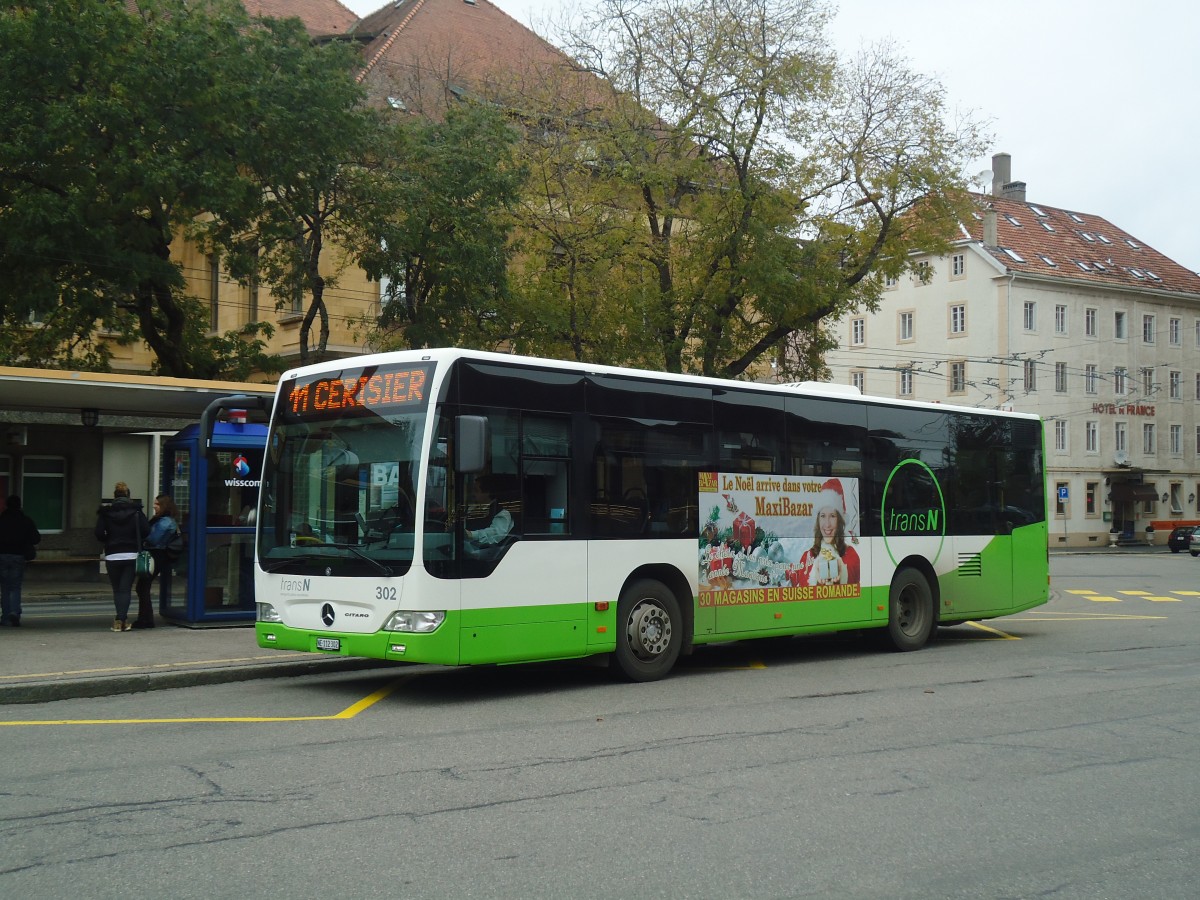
[(341, 471)]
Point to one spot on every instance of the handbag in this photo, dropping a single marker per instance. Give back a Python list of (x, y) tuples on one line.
[(145, 564)]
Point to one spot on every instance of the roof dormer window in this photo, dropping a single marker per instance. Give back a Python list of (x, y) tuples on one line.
[(1012, 219), (1075, 218), (1134, 244), (1012, 254), (1047, 226), (1037, 211), (1102, 239), (1048, 261), (1153, 277), (1082, 265), (1090, 238), (1137, 273)]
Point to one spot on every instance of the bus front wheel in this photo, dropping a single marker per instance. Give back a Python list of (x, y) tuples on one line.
[(910, 611), (648, 631)]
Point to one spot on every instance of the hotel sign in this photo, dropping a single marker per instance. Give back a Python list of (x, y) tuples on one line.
[(1123, 409)]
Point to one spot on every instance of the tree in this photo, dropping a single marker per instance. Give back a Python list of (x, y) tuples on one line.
[(121, 132), (308, 140), (440, 229), (774, 187)]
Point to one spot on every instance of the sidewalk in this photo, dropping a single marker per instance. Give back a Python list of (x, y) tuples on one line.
[(64, 649)]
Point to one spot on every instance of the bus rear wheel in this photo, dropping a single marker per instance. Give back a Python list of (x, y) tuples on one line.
[(648, 631), (910, 611)]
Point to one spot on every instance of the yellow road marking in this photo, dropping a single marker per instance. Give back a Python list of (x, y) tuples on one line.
[(1135, 593), (1078, 617), (1187, 593), (996, 631), (348, 713), (1080, 592), (1098, 599), (1163, 599)]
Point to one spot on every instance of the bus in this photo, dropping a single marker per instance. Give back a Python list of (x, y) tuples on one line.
[(465, 508)]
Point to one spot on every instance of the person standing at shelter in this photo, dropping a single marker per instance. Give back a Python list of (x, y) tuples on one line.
[(18, 536), (121, 526), (164, 525)]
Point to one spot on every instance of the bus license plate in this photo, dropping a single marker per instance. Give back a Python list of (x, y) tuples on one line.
[(329, 644)]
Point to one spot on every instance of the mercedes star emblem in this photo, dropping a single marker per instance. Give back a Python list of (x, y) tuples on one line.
[(327, 615)]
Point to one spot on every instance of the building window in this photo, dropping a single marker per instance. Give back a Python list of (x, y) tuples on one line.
[(1060, 378), (214, 291), (1030, 315), (1090, 377), (906, 382), (44, 491), (1147, 329), (891, 281), (924, 273), (958, 377), (1175, 385), (1148, 438), (1119, 326), (1120, 438), (1060, 319), (1089, 498), (1060, 505), (959, 263), (906, 326), (1175, 435), (1119, 376), (858, 332), (958, 318), (1091, 432), (1089, 322), (859, 380), (1198, 385), (1147, 380), (1060, 435), (1176, 498), (1175, 332), (1030, 375)]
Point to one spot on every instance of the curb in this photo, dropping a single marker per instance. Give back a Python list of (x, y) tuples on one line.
[(107, 686)]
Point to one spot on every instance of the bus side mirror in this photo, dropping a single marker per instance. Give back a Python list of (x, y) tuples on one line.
[(471, 444)]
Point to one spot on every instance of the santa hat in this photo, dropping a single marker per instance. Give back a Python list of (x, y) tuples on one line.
[(831, 495)]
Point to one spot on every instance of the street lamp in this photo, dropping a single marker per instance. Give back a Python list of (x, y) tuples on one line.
[(89, 417)]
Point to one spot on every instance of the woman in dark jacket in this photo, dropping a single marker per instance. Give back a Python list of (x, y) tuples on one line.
[(163, 526), (121, 526), (18, 535)]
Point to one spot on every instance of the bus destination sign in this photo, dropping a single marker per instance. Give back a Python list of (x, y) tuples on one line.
[(349, 393)]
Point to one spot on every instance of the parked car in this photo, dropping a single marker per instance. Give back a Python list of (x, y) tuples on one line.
[(1181, 538), (1194, 541)]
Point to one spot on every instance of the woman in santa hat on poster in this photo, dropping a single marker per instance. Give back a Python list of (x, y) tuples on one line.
[(830, 560)]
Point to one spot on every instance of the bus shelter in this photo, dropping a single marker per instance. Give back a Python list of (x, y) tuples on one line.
[(215, 484)]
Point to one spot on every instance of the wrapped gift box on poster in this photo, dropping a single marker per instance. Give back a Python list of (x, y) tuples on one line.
[(743, 529)]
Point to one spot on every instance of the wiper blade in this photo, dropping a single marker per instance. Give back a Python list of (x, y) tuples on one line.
[(379, 567)]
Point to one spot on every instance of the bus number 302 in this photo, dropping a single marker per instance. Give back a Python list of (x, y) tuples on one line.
[(385, 593)]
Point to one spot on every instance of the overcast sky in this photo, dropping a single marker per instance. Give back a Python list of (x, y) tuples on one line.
[(1096, 102)]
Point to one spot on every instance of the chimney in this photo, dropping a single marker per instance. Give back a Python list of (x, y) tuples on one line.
[(990, 238), (1013, 190), (1001, 172)]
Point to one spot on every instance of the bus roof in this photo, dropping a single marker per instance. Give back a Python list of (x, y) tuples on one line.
[(822, 389)]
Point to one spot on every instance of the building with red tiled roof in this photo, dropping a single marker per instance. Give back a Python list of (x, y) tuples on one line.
[(318, 16), (1057, 312)]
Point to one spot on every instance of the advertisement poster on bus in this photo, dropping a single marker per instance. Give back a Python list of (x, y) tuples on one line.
[(777, 538)]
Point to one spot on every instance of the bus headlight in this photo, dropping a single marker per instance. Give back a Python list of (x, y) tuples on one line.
[(418, 621), (265, 612)]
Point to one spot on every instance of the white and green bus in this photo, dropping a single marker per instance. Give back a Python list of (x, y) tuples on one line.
[(463, 508)]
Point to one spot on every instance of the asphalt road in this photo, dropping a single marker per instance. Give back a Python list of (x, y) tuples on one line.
[(1052, 753)]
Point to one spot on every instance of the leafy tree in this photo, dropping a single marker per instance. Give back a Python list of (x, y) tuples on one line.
[(306, 144), (120, 132), (773, 186), (440, 229)]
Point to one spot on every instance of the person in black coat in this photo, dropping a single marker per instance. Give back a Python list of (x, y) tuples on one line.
[(18, 536), (121, 526)]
